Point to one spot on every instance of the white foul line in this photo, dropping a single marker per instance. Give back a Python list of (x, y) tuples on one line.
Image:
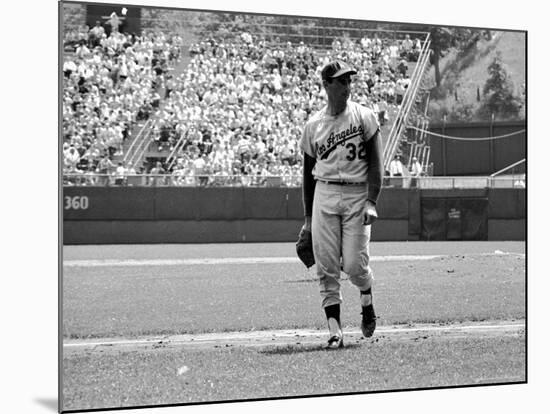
[(238, 260), (189, 339)]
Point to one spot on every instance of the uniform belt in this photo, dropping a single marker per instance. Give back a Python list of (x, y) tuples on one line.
[(342, 182)]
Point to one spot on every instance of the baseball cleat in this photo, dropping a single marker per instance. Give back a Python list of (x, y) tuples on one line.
[(335, 342), (336, 339), (368, 321)]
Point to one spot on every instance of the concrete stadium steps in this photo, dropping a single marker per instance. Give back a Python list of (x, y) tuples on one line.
[(134, 130), (178, 69), (181, 66)]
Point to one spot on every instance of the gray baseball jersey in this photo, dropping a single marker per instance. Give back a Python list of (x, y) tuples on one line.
[(338, 143)]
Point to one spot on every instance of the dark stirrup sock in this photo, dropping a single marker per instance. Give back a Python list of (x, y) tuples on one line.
[(333, 311), (366, 297)]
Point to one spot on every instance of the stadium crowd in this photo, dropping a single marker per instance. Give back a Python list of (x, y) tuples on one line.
[(233, 117), (109, 82)]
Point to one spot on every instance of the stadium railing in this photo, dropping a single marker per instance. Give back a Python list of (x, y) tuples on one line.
[(164, 180), (514, 169), (409, 100), (472, 182), (168, 180)]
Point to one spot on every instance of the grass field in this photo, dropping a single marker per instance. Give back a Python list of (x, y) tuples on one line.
[(167, 324)]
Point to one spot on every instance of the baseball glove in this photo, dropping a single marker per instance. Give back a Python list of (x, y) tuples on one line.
[(304, 248)]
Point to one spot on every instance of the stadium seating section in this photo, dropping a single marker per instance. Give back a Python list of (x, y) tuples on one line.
[(236, 108)]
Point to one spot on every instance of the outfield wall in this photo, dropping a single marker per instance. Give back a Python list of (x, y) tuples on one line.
[(453, 157), (108, 215)]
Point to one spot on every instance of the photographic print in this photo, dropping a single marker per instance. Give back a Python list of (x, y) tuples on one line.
[(269, 206)]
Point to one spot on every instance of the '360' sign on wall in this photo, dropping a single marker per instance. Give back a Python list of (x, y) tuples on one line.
[(76, 203)]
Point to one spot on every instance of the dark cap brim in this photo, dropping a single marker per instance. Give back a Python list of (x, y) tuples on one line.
[(343, 71)]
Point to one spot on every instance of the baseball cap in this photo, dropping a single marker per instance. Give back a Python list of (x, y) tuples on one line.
[(335, 69)]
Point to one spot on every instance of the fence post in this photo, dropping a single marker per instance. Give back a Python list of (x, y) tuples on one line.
[(492, 143), (444, 146)]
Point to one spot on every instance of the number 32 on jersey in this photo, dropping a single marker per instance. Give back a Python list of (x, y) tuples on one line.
[(356, 151)]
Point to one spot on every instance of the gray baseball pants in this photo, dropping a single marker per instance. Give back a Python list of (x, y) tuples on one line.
[(340, 239)]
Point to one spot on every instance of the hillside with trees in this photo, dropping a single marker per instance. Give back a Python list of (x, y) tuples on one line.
[(479, 76)]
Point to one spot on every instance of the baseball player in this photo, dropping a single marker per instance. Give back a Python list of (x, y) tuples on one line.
[(342, 177)]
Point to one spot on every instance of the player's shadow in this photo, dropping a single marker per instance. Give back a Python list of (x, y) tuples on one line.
[(300, 348), (314, 279), (303, 281)]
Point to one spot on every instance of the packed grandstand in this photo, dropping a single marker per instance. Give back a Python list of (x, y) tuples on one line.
[(232, 115)]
